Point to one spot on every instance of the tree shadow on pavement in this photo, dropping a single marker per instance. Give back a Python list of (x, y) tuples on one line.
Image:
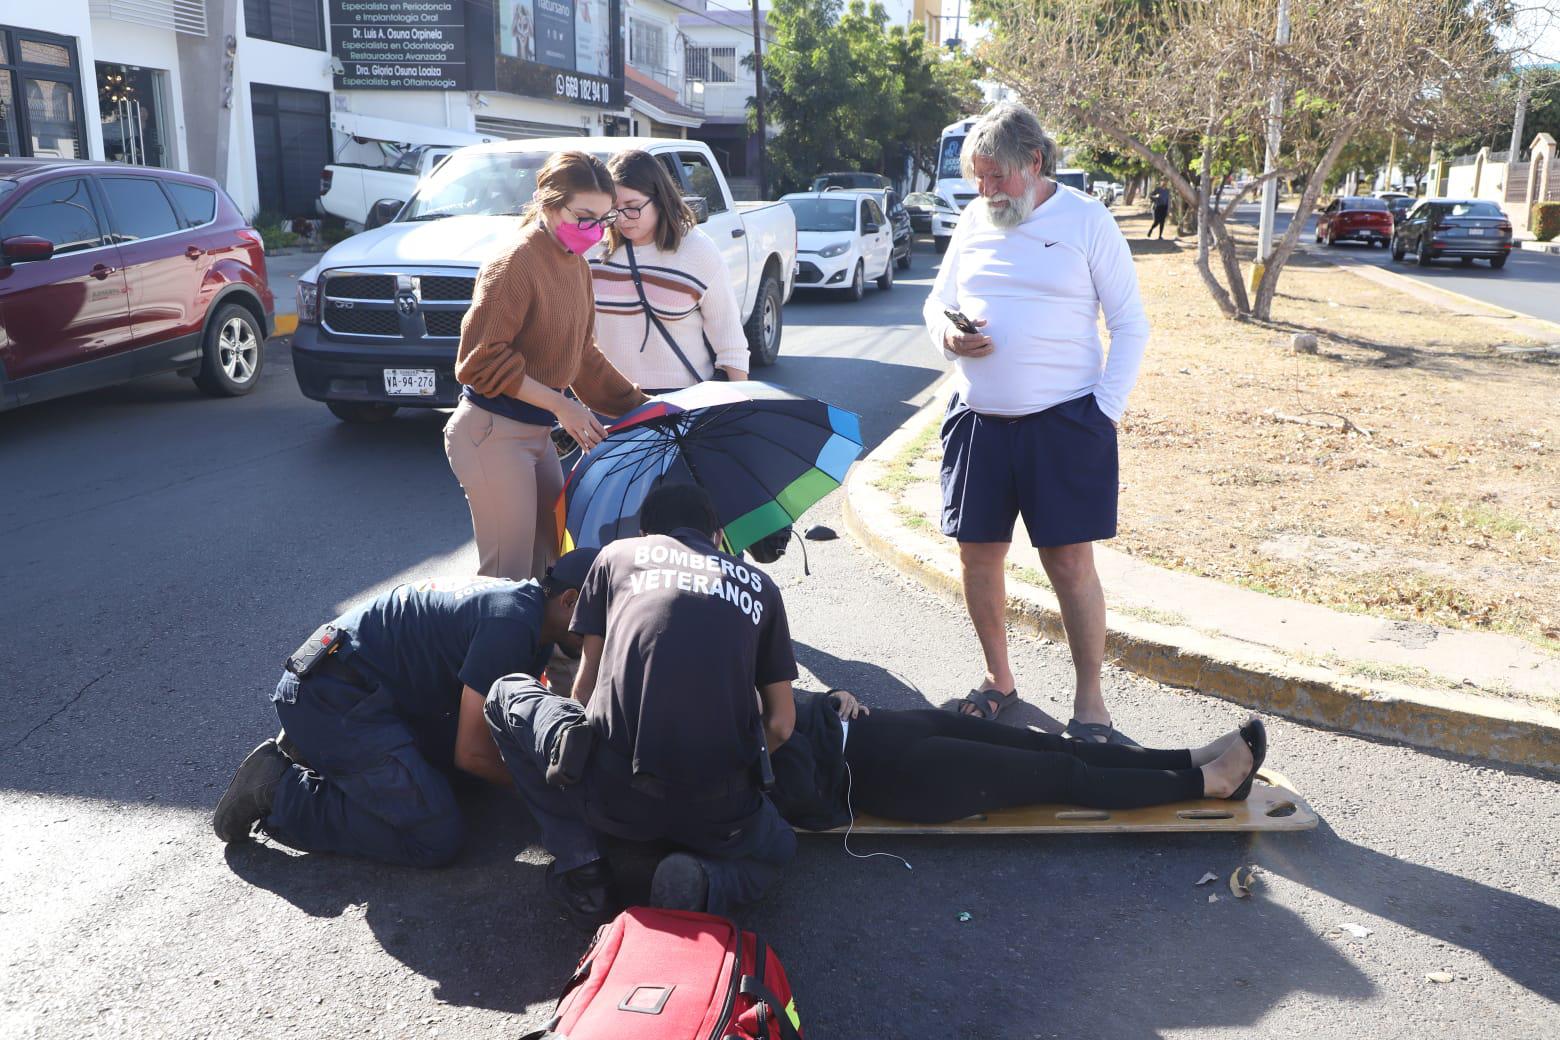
[(1088, 936), (1514, 933), (482, 930)]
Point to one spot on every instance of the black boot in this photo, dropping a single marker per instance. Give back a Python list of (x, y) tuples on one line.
[(249, 794), (585, 893)]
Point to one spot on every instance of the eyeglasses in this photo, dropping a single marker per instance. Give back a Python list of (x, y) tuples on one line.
[(632, 212), (591, 223)]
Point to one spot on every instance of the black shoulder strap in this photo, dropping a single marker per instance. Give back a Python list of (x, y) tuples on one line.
[(650, 316), (765, 996)]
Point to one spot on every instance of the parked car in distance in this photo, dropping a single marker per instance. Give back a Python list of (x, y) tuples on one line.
[(932, 215), (379, 316), (1468, 229), (352, 191), (842, 239), (899, 220), (1400, 205), (111, 272), (850, 180), (1355, 218)]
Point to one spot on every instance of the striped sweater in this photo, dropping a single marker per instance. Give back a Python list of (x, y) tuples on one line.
[(690, 291)]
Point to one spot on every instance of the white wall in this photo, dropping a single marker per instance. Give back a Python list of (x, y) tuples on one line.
[(126, 44), (724, 100), (66, 18), (273, 64)]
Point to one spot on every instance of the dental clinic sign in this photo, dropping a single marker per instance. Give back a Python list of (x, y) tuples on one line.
[(400, 44)]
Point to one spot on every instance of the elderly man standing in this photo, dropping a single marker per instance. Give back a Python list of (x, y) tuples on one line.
[(1031, 427)]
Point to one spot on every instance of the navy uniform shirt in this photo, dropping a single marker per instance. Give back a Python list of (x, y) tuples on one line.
[(424, 641), (690, 634)]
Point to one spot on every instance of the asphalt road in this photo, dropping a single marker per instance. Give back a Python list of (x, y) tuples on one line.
[(163, 552), (1528, 284)]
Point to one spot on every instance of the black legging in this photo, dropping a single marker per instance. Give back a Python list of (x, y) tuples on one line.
[(933, 766), (1160, 213)]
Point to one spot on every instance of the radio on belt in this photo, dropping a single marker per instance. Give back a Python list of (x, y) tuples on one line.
[(315, 649)]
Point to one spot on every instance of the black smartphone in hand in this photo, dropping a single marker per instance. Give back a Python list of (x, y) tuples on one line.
[(962, 322)]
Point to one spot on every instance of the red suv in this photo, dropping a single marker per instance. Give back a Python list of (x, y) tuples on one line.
[(111, 272), (1361, 218)]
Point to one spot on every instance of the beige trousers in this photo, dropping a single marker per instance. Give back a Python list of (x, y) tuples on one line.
[(512, 480)]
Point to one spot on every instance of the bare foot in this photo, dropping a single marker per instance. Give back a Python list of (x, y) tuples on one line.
[(1228, 771)]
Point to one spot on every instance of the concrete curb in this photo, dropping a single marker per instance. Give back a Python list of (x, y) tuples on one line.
[(1257, 677)]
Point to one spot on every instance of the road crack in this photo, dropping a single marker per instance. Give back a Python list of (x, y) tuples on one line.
[(61, 709)]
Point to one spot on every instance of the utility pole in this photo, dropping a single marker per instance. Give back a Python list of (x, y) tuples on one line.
[(1516, 123), (1270, 162), (758, 101)]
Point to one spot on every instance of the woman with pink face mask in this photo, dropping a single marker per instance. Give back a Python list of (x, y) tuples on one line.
[(531, 333)]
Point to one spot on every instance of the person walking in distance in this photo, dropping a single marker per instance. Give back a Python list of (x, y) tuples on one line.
[(1030, 428), (1160, 197), (530, 333)]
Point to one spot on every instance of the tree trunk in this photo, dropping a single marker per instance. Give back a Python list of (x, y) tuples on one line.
[(1268, 286)]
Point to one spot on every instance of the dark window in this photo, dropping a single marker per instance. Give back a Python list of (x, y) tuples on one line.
[(139, 208), (1476, 209), (1373, 205), (298, 22), (702, 181), (40, 96), (292, 145), (199, 204), (61, 212)]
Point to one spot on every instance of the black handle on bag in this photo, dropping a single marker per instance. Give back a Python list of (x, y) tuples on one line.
[(751, 987)]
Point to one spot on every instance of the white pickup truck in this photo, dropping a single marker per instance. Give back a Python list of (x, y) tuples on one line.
[(379, 316), (351, 190)]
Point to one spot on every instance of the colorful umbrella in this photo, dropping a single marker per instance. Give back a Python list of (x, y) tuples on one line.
[(764, 455)]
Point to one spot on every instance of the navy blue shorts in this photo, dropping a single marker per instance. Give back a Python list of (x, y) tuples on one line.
[(1057, 469)]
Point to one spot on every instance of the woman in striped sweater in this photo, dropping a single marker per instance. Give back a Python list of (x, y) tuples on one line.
[(676, 323)]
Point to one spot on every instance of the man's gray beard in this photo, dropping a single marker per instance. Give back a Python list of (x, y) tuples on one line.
[(1017, 210)]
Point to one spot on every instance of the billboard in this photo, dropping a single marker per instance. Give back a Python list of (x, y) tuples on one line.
[(400, 44), (565, 50)]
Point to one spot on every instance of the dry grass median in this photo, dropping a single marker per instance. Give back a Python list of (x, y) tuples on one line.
[(1408, 469)]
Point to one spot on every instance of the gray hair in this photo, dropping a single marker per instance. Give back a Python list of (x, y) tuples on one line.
[(1009, 135)]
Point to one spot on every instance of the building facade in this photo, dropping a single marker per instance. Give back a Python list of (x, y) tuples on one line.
[(261, 94)]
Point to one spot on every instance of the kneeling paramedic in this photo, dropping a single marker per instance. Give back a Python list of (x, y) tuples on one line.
[(380, 709), (686, 673)]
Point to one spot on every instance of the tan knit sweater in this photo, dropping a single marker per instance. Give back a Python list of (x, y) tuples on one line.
[(532, 315)]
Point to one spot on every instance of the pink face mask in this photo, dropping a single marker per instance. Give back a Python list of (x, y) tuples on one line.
[(577, 239)]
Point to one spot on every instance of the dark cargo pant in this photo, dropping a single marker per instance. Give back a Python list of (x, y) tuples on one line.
[(369, 791), (740, 840)]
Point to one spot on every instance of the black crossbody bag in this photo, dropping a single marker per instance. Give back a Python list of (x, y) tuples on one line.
[(650, 317)]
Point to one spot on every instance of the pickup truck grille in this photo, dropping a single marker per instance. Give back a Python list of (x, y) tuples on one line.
[(394, 305), (446, 288)]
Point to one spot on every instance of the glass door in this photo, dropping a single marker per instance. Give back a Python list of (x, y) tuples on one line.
[(130, 99)]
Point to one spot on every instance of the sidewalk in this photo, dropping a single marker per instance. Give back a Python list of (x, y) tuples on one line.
[(1463, 692), (284, 269)]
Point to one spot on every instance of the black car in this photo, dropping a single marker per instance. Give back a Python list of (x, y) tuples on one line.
[(1468, 229), (921, 204), (1400, 205), (900, 220)]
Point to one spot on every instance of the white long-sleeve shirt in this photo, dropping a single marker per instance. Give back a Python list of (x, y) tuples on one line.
[(1041, 287)]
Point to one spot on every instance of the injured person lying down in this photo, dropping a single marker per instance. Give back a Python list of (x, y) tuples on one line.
[(925, 766)]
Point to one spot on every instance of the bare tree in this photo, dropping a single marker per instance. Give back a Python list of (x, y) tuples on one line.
[(1153, 75)]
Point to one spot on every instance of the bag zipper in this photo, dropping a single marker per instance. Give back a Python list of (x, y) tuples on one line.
[(731, 992)]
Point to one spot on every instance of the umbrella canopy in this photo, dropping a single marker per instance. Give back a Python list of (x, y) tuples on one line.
[(764, 455)]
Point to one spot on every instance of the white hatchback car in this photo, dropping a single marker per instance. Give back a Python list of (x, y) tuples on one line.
[(842, 239)]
